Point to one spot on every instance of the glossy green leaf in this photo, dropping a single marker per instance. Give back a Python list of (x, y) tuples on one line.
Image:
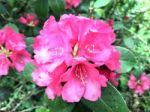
[(29, 42), (128, 59), (110, 101), (41, 8), (26, 74), (57, 6), (101, 3)]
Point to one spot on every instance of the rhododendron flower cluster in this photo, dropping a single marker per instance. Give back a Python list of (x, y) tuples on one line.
[(75, 58), (141, 85), (72, 3), (29, 20), (12, 51)]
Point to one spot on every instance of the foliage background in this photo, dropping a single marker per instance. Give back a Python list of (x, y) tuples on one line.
[(131, 24)]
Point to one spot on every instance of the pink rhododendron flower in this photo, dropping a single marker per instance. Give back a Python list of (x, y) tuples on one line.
[(141, 85), (55, 87), (4, 65), (71, 50), (110, 75), (83, 79), (29, 20), (12, 51), (72, 3), (139, 90), (41, 77), (145, 81)]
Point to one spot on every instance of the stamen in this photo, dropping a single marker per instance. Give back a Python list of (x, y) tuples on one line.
[(81, 73), (75, 49), (4, 51)]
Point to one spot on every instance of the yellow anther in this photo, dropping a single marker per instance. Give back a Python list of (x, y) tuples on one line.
[(75, 49), (4, 51)]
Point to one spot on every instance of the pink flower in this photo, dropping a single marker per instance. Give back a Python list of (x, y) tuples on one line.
[(12, 51), (55, 87), (19, 59), (139, 86), (83, 79), (72, 3), (132, 82), (29, 20), (41, 77), (13, 41), (145, 81), (73, 48), (110, 75), (4, 65), (139, 90)]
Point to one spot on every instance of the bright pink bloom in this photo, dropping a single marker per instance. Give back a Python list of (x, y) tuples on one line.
[(132, 82), (110, 75), (4, 65), (29, 20), (141, 85), (113, 63), (41, 77), (12, 51), (72, 3), (139, 90), (13, 41), (145, 81), (83, 80), (20, 59), (82, 45), (55, 87)]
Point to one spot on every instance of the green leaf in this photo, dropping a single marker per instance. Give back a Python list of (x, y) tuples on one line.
[(110, 101), (123, 81), (42, 109), (29, 42), (118, 26), (97, 106), (128, 60), (41, 8), (5, 93), (12, 26), (101, 3), (58, 105), (128, 42), (26, 74), (57, 6)]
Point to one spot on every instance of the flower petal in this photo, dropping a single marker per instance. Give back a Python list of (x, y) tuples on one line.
[(72, 91)]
